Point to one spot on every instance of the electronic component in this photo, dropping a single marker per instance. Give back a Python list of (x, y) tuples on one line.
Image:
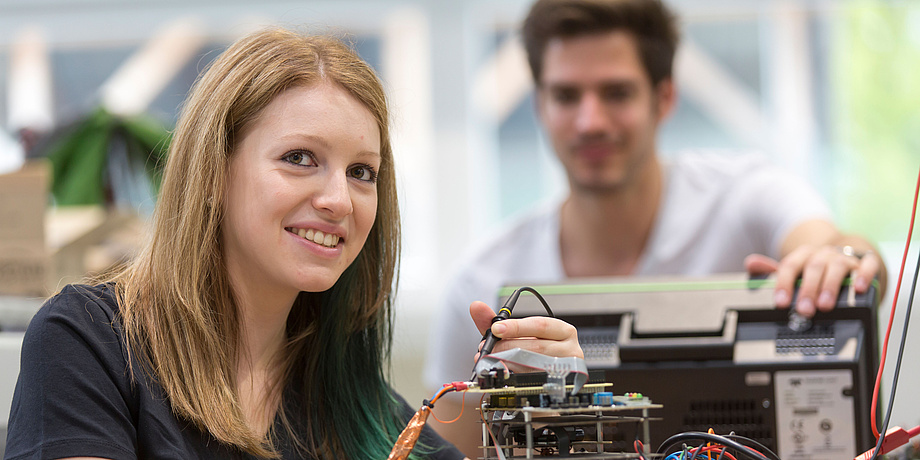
[(716, 353), (524, 422), (559, 412)]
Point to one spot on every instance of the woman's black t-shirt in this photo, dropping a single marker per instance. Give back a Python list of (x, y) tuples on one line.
[(74, 396)]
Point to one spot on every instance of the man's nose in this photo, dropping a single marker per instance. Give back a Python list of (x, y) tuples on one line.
[(591, 116)]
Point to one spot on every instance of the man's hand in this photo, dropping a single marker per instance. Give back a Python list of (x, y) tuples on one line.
[(540, 334), (822, 269)]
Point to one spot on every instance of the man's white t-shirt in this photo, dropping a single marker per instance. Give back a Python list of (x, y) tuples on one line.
[(716, 210)]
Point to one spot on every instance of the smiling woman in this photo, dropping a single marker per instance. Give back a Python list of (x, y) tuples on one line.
[(257, 320)]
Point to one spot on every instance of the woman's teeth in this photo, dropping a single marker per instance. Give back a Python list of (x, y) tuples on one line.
[(325, 239)]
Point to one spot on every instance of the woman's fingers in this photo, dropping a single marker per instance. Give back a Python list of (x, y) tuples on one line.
[(540, 334)]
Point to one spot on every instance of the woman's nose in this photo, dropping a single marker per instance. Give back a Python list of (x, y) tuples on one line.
[(335, 196)]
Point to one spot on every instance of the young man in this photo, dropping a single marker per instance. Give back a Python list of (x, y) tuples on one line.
[(604, 85)]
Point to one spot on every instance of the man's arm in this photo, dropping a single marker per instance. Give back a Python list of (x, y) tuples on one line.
[(823, 257)]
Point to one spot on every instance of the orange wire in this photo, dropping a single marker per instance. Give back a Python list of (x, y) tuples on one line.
[(440, 393), (462, 405), (709, 452)]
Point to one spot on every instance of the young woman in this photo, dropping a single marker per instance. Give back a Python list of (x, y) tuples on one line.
[(256, 322)]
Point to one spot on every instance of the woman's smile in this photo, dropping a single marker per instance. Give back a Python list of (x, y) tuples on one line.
[(329, 240)]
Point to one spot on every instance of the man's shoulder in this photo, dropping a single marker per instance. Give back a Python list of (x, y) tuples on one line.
[(524, 247), (722, 172), (522, 233), (718, 162)]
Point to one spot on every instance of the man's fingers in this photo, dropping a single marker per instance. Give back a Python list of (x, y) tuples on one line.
[(838, 267), (787, 272), (814, 279), (759, 264), (868, 268)]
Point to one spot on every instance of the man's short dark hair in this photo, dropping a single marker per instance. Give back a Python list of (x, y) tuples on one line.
[(651, 23)]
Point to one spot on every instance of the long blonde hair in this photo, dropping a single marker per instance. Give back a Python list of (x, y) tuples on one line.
[(175, 298)]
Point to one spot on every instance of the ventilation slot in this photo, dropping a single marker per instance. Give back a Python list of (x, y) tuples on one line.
[(743, 416), (818, 340)]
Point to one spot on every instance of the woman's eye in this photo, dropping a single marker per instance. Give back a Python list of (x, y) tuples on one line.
[(298, 158), (363, 172)]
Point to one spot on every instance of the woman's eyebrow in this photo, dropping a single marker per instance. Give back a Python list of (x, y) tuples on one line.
[(308, 137)]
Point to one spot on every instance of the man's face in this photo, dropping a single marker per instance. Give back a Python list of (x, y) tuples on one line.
[(600, 110)]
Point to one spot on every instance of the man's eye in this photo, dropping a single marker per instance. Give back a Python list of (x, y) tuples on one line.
[(617, 94), (364, 172), (565, 96)]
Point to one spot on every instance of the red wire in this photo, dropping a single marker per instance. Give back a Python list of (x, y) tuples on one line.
[(482, 415), (894, 304), (913, 431)]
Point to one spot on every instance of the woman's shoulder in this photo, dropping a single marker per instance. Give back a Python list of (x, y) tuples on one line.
[(86, 310), (80, 299), (76, 390), (76, 330)]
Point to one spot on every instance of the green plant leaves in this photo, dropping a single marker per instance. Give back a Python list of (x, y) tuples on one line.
[(80, 157)]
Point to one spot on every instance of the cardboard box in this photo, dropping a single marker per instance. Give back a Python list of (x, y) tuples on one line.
[(24, 260), (23, 200), (95, 240), (24, 269), (43, 249)]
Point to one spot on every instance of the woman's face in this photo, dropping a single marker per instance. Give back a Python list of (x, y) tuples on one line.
[(302, 195)]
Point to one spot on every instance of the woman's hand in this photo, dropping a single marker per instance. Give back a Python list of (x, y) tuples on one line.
[(540, 334)]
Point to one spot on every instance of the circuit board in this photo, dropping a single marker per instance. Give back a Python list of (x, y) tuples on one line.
[(522, 418)]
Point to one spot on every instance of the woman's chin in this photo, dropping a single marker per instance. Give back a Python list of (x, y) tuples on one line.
[(317, 284)]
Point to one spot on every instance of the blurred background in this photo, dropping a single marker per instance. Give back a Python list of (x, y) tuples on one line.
[(89, 90)]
